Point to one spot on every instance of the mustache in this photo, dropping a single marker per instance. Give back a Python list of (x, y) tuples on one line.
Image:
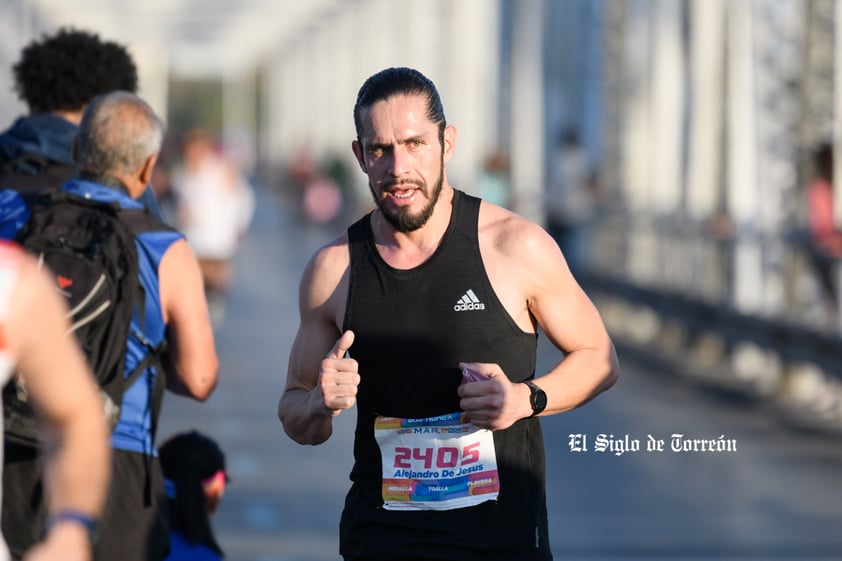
[(403, 183)]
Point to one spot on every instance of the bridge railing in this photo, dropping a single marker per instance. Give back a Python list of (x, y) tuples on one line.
[(789, 358)]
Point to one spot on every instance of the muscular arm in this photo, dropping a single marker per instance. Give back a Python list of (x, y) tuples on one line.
[(65, 395), (544, 292), (191, 361), (570, 321), (573, 324), (321, 382)]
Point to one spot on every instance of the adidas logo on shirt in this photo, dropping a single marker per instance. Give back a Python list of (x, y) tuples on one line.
[(469, 301)]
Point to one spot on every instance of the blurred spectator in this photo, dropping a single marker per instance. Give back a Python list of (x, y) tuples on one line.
[(321, 199), (825, 237), (195, 479), (336, 169), (56, 77), (322, 202), (494, 180), (215, 207), (571, 200)]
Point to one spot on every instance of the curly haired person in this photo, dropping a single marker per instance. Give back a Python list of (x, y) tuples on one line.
[(56, 77)]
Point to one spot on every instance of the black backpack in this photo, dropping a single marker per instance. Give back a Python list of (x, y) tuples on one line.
[(89, 247), (33, 171)]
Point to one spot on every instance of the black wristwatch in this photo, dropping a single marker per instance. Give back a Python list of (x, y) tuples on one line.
[(537, 398)]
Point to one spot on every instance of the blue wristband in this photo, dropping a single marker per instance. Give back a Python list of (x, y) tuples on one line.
[(77, 517)]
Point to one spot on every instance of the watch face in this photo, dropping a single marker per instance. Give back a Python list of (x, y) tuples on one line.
[(538, 398), (539, 401)]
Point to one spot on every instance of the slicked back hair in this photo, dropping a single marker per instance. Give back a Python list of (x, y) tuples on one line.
[(399, 81), (118, 132), (64, 71)]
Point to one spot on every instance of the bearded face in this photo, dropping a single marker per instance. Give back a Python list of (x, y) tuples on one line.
[(403, 154), (403, 218)]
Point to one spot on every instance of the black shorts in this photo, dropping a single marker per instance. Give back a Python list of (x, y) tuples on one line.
[(23, 504), (135, 524), (133, 527)]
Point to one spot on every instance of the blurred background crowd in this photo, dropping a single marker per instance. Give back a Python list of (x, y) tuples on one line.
[(681, 151)]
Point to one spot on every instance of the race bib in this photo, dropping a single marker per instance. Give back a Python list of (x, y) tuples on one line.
[(437, 463)]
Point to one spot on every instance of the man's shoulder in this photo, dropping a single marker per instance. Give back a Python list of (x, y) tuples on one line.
[(149, 230), (332, 256), (508, 234), (28, 161), (498, 221), (325, 273), (44, 135), (176, 267)]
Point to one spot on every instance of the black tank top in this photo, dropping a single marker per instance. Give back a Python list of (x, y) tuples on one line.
[(412, 328)]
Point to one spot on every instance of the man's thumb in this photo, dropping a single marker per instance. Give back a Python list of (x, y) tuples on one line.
[(342, 345)]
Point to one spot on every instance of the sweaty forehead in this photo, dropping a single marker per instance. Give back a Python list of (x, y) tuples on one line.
[(399, 115)]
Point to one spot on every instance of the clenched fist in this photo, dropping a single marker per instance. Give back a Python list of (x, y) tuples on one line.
[(492, 401)]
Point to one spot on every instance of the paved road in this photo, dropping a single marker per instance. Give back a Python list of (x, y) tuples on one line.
[(777, 495)]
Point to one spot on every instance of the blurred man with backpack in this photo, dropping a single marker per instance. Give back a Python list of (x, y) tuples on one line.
[(116, 148), (56, 77)]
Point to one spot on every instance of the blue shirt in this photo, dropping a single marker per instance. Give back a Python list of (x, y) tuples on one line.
[(182, 550), (133, 432)]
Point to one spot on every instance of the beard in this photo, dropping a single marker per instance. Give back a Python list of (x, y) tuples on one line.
[(402, 219)]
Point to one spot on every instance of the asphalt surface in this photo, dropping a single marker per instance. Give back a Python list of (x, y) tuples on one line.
[(770, 493)]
